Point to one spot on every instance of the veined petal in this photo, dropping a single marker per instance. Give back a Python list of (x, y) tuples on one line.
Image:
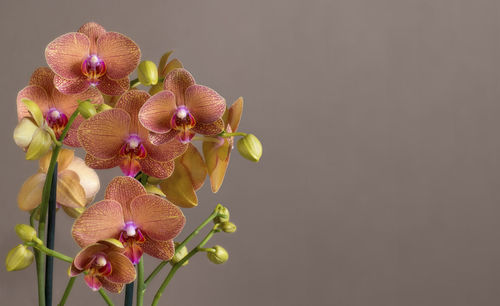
[(30, 194), (103, 135), (110, 286), (234, 114), (34, 93), (123, 270), (100, 221), (158, 139), (93, 32), (71, 86), (167, 151), (43, 77), (85, 257), (113, 87), (209, 129), (66, 53), (157, 217), (217, 160), (131, 102), (64, 158), (93, 282), (177, 81), (156, 114), (155, 168), (71, 138), (204, 103), (124, 189), (89, 179), (69, 191), (163, 250), (120, 53), (24, 131), (97, 163)]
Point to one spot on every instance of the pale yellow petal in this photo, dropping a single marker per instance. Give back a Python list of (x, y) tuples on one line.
[(30, 194), (23, 133), (69, 191), (89, 179)]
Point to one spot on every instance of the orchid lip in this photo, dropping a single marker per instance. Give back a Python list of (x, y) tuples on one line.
[(56, 119), (130, 228), (93, 68)]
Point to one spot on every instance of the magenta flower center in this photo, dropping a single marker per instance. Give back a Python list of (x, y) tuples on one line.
[(133, 147), (93, 68), (183, 121), (56, 120), (99, 266), (131, 237)]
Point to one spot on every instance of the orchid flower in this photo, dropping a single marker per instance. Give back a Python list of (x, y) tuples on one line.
[(115, 138), (92, 56), (56, 107), (217, 153), (182, 109), (104, 265), (142, 222), (77, 184)]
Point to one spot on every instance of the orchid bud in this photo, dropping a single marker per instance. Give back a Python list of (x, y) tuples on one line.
[(27, 233), (19, 258), (250, 147), (154, 190), (103, 107), (228, 227), (87, 109), (147, 73), (223, 214), (218, 255), (179, 255)]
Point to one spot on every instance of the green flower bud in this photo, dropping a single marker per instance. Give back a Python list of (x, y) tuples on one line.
[(147, 73), (19, 258), (218, 255), (87, 109), (228, 227), (27, 233), (154, 190), (250, 147), (103, 107), (179, 255), (223, 214)]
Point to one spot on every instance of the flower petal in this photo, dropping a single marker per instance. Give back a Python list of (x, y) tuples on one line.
[(110, 286), (100, 221), (120, 54), (69, 191), (24, 131), (217, 160), (177, 81), (43, 77), (157, 169), (157, 217), (123, 270), (113, 87), (163, 250), (209, 129), (34, 93), (103, 135), (85, 257), (89, 179), (158, 139), (93, 32), (204, 103), (64, 158), (124, 189), (71, 138), (66, 53), (156, 114), (93, 282), (30, 194), (234, 114), (167, 151), (173, 64), (71, 86), (131, 102), (97, 163)]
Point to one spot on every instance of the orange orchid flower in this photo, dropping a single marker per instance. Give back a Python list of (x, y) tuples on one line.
[(142, 222), (92, 56)]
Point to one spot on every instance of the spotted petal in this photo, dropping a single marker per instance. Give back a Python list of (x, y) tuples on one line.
[(84, 258), (156, 114), (34, 93), (204, 103), (93, 32), (124, 189), (177, 81), (120, 54), (157, 169), (71, 86), (209, 129), (123, 270), (131, 102), (113, 87), (66, 53), (163, 250)]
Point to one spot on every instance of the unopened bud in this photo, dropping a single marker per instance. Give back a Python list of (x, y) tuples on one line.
[(27, 233), (19, 258), (87, 109), (154, 190), (250, 147), (179, 255), (147, 73), (218, 255), (228, 227), (223, 214), (103, 107)]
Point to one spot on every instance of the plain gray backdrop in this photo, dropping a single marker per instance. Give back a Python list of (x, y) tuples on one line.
[(379, 183)]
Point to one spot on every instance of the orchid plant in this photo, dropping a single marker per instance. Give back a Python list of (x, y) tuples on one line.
[(85, 99)]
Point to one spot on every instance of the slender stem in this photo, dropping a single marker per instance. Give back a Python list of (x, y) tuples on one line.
[(44, 249), (33, 216), (227, 135), (129, 294), (181, 245), (69, 286), (176, 267), (49, 264), (105, 297), (141, 288)]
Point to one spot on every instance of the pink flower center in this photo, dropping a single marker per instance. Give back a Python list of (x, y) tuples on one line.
[(183, 121), (56, 120), (93, 68), (132, 151), (131, 237), (99, 266)]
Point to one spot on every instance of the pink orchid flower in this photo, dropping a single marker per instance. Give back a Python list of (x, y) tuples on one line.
[(116, 138), (142, 222), (92, 56), (182, 109), (105, 265), (55, 106)]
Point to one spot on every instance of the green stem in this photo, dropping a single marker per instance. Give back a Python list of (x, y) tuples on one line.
[(181, 245), (141, 288), (44, 249), (105, 297), (227, 135), (33, 215), (69, 286), (176, 267)]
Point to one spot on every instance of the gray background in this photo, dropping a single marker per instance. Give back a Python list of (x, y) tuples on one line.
[(379, 183)]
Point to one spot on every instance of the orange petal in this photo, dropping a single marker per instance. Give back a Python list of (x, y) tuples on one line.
[(177, 81), (157, 217), (71, 86), (71, 138), (124, 189), (156, 114), (97, 163), (84, 258), (204, 103), (89, 179), (100, 221), (157, 169), (93, 32), (167, 151), (34, 93), (235, 112), (123, 270), (43, 77), (158, 139), (163, 250), (66, 53), (113, 87), (209, 129), (64, 158), (69, 191), (30, 194), (120, 54), (103, 135), (110, 286), (131, 102), (217, 160)]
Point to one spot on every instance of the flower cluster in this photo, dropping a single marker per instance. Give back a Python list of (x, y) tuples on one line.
[(86, 99)]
